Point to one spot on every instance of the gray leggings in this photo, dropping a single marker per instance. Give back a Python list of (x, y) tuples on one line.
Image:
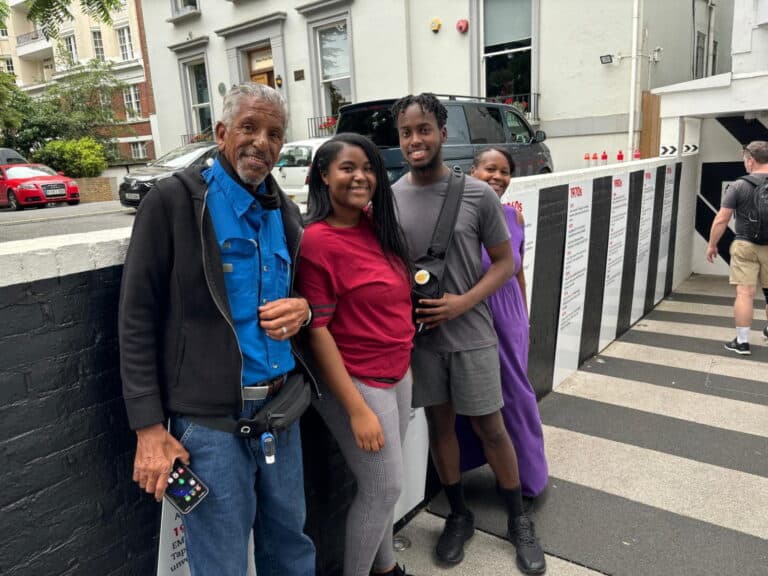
[(379, 474)]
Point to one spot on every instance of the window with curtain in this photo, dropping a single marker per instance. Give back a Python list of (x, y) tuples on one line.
[(333, 56), (507, 49)]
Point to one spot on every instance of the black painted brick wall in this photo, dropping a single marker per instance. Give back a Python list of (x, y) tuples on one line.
[(68, 505)]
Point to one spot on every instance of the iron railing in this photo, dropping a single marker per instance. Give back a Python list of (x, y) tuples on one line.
[(322, 126), (29, 37), (206, 136)]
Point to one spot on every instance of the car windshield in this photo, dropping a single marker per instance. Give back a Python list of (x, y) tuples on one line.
[(374, 121), (293, 156), (28, 172), (180, 157)]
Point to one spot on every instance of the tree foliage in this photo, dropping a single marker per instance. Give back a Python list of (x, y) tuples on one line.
[(10, 98), (77, 105), (82, 158), (49, 14)]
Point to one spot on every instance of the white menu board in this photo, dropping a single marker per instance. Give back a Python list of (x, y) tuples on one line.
[(664, 235), (643, 245), (614, 266), (526, 200), (574, 281)]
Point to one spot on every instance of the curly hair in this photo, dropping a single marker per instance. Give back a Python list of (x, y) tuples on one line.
[(427, 101)]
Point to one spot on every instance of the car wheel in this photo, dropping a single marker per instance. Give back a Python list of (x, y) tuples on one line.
[(13, 202), (73, 202)]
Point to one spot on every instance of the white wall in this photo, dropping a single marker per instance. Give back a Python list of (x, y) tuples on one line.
[(375, 28)]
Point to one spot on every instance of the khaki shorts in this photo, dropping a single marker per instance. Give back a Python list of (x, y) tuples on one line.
[(749, 263), (470, 380)]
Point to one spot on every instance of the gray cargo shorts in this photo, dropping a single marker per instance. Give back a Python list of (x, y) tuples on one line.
[(469, 379)]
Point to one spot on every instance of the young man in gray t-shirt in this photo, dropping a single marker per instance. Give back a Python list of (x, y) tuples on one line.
[(455, 363)]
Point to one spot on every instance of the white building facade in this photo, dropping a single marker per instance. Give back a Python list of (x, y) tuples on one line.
[(543, 54)]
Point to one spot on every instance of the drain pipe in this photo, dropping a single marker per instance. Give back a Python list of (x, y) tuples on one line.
[(408, 65), (710, 39), (633, 76)]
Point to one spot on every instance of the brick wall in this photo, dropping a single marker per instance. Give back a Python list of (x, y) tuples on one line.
[(98, 189), (68, 503)]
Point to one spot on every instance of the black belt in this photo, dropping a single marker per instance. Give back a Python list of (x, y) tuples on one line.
[(263, 390), (242, 427)]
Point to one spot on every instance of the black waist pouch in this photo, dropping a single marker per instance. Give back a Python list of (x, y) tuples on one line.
[(277, 415)]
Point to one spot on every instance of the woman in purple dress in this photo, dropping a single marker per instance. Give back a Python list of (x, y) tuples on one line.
[(510, 318)]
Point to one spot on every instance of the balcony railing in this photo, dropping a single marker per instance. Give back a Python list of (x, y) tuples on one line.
[(206, 136), (29, 37), (321, 126)]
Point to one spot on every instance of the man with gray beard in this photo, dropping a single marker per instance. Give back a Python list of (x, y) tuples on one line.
[(206, 320)]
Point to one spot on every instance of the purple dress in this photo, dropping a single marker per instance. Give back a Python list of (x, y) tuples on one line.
[(520, 412)]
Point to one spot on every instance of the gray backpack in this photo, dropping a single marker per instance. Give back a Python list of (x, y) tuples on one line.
[(757, 215)]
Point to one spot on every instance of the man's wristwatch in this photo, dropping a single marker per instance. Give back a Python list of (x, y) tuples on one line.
[(308, 321)]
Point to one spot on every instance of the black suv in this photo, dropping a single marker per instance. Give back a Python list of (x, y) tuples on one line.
[(473, 123)]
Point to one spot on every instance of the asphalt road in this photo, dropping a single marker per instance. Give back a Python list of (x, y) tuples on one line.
[(63, 219)]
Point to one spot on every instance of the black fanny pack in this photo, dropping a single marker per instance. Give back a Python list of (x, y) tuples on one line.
[(277, 415), (429, 270)]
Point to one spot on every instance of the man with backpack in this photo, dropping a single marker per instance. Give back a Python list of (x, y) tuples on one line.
[(748, 199)]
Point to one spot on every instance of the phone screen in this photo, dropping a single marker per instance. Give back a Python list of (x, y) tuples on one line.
[(185, 490)]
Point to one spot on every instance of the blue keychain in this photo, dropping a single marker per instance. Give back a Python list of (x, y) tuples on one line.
[(269, 447)]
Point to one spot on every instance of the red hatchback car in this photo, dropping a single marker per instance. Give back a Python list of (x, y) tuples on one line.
[(24, 185)]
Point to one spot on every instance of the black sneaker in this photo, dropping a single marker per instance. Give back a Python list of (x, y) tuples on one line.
[(738, 347), (530, 556), (765, 331), (458, 529), (396, 571)]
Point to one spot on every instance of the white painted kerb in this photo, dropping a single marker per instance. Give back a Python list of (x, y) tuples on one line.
[(23, 261)]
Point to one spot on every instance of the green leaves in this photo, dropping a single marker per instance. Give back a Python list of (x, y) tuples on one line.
[(49, 14)]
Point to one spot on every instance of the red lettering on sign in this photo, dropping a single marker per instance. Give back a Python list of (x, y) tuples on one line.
[(647, 175), (617, 183), (576, 192)]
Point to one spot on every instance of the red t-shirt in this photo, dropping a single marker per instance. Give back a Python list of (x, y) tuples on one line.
[(364, 301)]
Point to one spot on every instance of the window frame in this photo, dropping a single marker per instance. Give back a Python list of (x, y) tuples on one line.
[(70, 45), (141, 145), (121, 45), (178, 7), (3, 32), (314, 25), (98, 47), (190, 108), (700, 56), (131, 96), (9, 67)]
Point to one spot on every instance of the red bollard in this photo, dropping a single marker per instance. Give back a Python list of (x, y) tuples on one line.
[(586, 160), (620, 156), (604, 158), (636, 154)]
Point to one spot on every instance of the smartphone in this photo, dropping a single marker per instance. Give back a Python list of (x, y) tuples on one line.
[(185, 490)]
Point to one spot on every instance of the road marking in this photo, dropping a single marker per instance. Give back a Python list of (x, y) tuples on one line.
[(64, 217)]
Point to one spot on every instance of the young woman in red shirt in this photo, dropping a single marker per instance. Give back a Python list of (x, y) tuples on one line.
[(355, 272)]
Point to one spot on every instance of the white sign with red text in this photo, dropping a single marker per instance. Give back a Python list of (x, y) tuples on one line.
[(643, 245), (574, 282), (664, 235), (526, 200), (614, 265)]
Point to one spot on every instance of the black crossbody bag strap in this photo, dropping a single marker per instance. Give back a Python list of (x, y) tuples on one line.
[(446, 221)]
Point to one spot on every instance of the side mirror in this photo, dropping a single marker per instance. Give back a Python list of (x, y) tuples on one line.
[(540, 136)]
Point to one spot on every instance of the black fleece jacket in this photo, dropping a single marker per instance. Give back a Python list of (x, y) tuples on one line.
[(178, 347)]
